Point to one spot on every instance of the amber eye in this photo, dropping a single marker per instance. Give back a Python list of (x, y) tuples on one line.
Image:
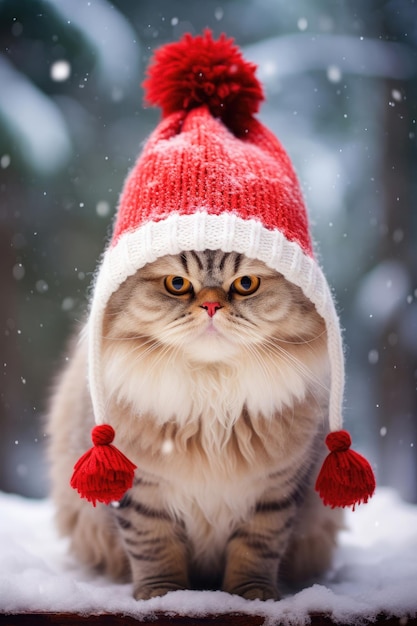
[(177, 285), (246, 285)]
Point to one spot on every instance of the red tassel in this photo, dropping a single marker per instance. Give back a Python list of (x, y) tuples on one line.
[(346, 478), (103, 473)]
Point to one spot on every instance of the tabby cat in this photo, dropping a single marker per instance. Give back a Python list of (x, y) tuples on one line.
[(216, 376)]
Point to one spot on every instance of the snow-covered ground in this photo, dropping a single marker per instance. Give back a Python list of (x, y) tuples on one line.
[(375, 571)]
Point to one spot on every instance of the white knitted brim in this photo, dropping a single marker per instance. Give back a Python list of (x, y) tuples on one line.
[(201, 231)]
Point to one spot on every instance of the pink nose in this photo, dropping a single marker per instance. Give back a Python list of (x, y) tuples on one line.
[(211, 307)]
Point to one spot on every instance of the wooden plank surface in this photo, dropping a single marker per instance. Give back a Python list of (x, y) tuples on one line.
[(66, 619), (228, 619)]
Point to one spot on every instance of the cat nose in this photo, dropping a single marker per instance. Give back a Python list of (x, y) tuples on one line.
[(211, 307)]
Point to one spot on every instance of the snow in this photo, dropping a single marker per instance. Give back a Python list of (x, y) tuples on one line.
[(375, 571), (60, 70)]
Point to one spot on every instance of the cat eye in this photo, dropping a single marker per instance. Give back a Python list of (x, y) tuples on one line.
[(246, 285), (177, 285)]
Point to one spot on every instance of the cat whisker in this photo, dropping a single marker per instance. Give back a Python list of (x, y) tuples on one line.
[(303, 342), (299, 364), (272, 347), (306, 372), (145, 345), (140, 348), (167, 351), (252, 349)]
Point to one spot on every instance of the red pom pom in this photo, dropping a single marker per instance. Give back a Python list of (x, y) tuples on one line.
[(346, 478), (103, 473), (102, 435), (200, 71), (338, 441)]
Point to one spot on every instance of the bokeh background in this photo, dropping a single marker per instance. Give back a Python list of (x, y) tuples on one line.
[(341, 83)]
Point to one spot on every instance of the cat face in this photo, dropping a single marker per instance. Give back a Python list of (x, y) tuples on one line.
[(211, 306)]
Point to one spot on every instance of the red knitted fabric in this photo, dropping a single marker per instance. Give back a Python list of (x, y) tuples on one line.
[(193, 162), (103, 473), (346, 478), (200, 70), (209, 153)]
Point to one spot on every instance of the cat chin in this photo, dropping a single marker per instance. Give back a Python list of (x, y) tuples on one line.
[(211, 344), (211, 349)]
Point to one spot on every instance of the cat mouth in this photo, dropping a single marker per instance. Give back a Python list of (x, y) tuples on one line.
[(212, 343), (211, 329), (215, 331)]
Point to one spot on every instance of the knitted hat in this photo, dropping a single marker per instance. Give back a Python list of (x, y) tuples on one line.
[(211, 176)]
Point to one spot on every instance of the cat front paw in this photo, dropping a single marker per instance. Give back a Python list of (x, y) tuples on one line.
[(254, 591), (154, 590)]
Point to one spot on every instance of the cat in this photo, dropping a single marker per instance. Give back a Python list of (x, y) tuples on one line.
[(216, 376)]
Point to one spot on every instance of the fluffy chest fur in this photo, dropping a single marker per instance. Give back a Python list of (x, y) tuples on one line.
[(174, 389), (214, 432)]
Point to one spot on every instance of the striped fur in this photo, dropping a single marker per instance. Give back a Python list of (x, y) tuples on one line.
[(223, 416)]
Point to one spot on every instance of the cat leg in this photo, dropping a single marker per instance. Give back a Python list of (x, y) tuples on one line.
[(254, 550), (155, 545), (310, 551)]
